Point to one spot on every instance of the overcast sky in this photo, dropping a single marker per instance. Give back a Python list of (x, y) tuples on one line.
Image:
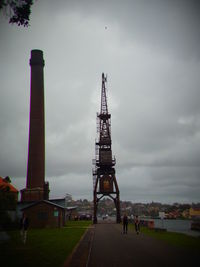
[(150, 51)]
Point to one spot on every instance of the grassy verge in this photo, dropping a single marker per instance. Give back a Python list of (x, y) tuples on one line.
[(44, 247), (175, 239), (83, 224)]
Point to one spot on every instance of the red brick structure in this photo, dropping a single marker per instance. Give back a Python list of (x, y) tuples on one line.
[(45, 214), (36, 188)]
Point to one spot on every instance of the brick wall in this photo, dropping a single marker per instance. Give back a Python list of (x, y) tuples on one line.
[(44, 215)]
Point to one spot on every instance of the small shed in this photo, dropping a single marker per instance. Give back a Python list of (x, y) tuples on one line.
[(45, 214)]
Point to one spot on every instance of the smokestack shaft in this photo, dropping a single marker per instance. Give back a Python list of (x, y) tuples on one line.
[(36, 151)]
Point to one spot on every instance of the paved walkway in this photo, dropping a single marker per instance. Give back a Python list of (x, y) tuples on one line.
[(106, 246)]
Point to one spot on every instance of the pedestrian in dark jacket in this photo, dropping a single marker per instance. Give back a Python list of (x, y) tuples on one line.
[(137, 224), (24, 224), (125, 224)]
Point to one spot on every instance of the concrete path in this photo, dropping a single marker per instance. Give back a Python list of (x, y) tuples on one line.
[(104, 245), (80, 255)]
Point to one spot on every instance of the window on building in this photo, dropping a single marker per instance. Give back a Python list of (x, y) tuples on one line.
[(42, 215)]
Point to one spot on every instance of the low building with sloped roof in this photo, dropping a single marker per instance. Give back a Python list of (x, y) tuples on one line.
[(46, 214)]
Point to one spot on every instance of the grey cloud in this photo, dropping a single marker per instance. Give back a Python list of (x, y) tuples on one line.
[(151, 54)]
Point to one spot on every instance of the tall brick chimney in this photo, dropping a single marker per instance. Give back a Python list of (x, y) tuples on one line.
[(36, 188)]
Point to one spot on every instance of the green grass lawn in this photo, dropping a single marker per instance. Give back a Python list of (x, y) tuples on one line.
[(175, 239), (83, 224), (44, 247)]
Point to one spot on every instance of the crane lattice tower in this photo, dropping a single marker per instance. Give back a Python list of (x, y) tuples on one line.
[(104, 179)]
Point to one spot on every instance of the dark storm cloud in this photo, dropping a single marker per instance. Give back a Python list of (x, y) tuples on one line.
[(168, 184), (166, 26)]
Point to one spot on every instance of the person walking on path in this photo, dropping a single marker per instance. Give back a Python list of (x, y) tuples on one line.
[(24, 224), (125, 224), (137, 224)]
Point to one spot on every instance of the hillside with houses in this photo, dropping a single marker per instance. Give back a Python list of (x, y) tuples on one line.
[(151, 210)]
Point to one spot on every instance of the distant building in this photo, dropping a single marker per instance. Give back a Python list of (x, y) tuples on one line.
[(194, 212), (59, 201), (161, 214), (186, 214)]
